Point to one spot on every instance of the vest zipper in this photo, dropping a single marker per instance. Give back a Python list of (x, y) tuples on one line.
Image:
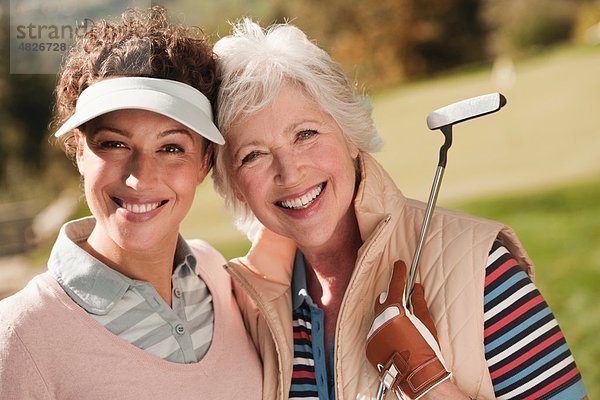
[(377, 233)]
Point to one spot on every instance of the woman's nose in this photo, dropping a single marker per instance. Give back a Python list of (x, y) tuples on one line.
[(142, 172), (288, 169)]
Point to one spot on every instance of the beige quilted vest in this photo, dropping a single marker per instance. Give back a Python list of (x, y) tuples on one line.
[(452, 271)]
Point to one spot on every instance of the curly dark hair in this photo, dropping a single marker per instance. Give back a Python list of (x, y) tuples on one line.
[(142, 43)]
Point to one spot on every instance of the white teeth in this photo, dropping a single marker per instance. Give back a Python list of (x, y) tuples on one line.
[(303, 201), (140, 208)]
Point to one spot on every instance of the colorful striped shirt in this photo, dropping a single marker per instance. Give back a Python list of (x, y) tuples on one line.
[(526, 352), (309, 375)]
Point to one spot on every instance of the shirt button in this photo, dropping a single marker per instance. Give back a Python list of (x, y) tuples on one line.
[(180, 329), (177, 292)]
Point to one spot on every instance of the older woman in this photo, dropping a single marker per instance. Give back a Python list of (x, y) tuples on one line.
[(328, 225), (128, 309)]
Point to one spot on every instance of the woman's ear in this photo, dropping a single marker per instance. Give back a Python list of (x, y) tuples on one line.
[(79, 139), (239, 196)]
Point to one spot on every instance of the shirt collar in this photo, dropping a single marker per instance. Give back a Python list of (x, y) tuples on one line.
[(184, 261), (299, 287), (93, 285)]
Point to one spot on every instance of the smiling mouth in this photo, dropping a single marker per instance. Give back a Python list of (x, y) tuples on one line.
[(139, 208), (303, 201)]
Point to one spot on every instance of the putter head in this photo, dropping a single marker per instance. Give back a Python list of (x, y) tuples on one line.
[(465, 110)]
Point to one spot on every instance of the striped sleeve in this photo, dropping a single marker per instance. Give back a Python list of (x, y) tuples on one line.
[(526, 352)]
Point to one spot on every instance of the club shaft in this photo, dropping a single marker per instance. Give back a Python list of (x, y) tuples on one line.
[(435, 189)]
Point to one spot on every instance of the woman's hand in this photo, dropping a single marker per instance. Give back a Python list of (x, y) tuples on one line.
[(401, 346)]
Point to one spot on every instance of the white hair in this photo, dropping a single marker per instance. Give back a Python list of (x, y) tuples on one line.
[(253, 64)]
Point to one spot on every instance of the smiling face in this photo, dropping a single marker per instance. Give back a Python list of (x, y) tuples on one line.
[(293, 166), (140, 170)]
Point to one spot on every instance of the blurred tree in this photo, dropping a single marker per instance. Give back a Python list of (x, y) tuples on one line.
[(25, 107), (28, 100), (587, 26), (4, 68), (446, 34), (517, 27), (387, 41)]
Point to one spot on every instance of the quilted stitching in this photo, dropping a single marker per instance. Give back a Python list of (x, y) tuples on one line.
[(452, 269)]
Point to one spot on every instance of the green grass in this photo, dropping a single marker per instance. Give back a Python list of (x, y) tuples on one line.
[(560, 229)]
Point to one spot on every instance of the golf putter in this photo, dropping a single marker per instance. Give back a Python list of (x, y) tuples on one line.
[(443, 119)]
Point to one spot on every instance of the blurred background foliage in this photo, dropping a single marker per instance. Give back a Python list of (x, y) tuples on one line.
[(379, 43)]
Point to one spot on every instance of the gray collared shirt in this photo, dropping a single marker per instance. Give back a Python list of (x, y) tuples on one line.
[(132, 309)]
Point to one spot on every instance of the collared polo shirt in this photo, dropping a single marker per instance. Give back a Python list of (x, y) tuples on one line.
[(132, 309)]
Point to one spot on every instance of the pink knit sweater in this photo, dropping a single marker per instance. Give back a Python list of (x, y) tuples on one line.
[(50, 348)]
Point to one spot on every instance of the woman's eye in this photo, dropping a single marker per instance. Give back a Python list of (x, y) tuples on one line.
[(112, 144), (306, 133), (253, 155), (172, 148)]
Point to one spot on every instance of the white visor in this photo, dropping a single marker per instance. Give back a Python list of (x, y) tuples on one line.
[(172, 99)]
